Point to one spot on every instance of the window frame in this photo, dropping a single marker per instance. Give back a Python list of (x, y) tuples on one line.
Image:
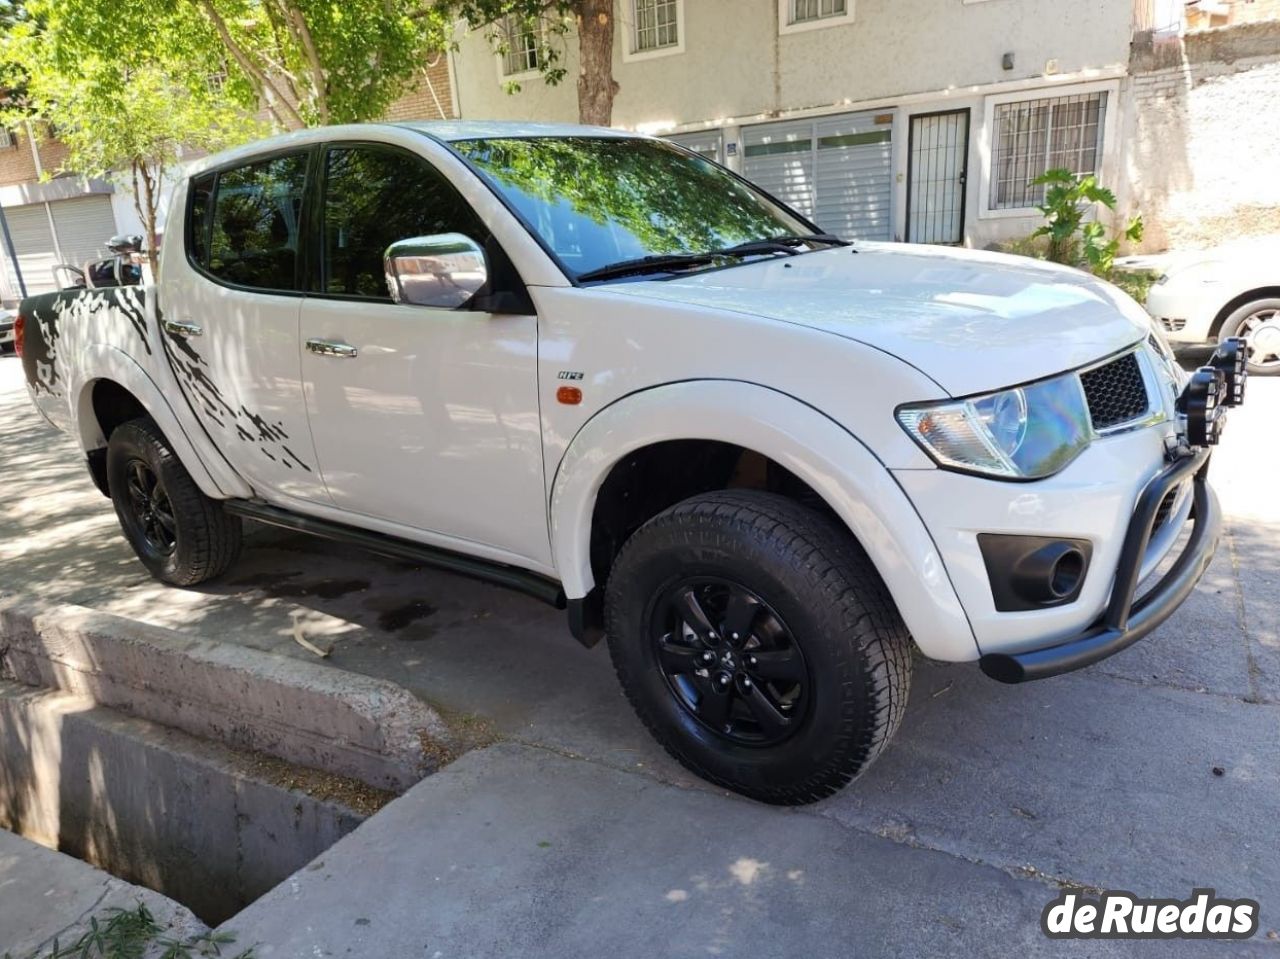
[(787, 25), (308, 152), (313, 284), (631, 52), (540, 39), (1106, 155)]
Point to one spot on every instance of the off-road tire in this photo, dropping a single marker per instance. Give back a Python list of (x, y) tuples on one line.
[(822, 585), (207, 538)]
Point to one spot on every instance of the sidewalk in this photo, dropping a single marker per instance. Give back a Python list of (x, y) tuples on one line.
[(45, 895), (517, 851)]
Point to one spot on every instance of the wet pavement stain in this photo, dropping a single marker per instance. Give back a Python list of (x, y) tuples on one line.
[(394, 620), (279, 586)]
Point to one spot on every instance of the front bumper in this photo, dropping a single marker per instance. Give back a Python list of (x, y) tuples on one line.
[(1125, 621)]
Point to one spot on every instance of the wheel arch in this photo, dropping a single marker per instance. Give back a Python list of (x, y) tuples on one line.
[(118, 390), (1260, 293), (814, 451)]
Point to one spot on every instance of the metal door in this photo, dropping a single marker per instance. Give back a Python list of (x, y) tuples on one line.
[(936, 174)]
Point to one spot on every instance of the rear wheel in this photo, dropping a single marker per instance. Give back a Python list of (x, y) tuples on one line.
[(758, 644), (182, 536), (1258, 322)]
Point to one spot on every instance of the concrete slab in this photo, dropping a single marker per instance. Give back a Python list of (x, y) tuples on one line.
[(45, 895), (301, 712), (514, 851)]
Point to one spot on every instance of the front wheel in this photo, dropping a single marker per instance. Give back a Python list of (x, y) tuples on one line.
[(757, 643), (181, 536), (1258, 322)]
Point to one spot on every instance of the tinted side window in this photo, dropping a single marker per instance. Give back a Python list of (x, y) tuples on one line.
[(201, 207), (374, 197), (256, 214)]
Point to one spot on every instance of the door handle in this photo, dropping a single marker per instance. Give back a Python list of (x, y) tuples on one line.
[(333, 348), (183, 328)]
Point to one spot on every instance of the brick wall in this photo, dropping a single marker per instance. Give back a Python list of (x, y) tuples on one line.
[(17, 164), (431, 99), (1200, 148)]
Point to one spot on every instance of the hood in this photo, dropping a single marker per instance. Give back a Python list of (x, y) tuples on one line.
[(971, 321)]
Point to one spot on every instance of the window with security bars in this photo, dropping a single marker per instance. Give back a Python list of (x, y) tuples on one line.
[(1032, 137), (521, 42), (656, 24), (804, 11), (6, 139)]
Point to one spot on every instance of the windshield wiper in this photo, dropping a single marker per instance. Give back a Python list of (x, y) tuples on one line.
[(649, 264), (666, 262), (786, 243)]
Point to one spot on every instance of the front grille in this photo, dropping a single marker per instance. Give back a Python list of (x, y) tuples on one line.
[(1116, 392), (1173, 324)]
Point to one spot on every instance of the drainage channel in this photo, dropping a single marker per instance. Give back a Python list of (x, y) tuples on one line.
[(205, 773)]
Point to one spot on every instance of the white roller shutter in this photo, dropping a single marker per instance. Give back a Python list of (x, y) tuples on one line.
[(838, 171), (33, 242), (778, 157), (84, 226), (707, 143)]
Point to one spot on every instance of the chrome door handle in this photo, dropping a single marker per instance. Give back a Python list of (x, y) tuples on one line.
[(182, 328), (333, 348)]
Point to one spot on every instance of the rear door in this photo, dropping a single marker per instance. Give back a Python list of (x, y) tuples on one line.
[(422, 417), (230, 319)]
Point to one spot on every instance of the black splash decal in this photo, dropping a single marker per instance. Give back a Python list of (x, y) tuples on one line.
[(194, 375), (51, 313)]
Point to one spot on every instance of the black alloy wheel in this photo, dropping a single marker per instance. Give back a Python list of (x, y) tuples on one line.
[(730, 661), (152, 510)]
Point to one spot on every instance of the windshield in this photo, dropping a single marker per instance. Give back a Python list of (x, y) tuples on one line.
[(598, 201)]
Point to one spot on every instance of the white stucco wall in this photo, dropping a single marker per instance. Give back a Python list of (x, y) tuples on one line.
[(736, 65), (900, 56)]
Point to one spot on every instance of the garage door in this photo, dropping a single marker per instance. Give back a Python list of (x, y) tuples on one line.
[(33, 242), (838, 171), (84, 226)]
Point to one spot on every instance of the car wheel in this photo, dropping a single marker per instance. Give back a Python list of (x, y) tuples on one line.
[(182, 536), (1259, 323), (758, 644)]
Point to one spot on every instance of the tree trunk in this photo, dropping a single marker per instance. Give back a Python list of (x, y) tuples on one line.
[(596, 86), (144, 201)]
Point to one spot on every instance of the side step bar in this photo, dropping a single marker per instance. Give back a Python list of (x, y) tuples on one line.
[(512, 577)]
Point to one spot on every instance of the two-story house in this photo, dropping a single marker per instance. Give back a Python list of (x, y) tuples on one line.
[(917, 120)]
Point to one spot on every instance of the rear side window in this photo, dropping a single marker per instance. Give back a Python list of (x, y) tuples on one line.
[(254, 226), (374, 196), (201, 208)]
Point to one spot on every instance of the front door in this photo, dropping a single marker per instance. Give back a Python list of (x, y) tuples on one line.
[(937, 172), (424, 418)]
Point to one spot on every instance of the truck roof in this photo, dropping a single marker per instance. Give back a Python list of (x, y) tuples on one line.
[(449, 131)]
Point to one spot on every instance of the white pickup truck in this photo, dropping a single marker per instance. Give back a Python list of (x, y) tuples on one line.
[(604, 370)]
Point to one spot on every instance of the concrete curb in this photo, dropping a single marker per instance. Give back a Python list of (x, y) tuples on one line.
[(196, 821), (303, 713)]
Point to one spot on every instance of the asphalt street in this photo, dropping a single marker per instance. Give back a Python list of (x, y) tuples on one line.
[(1155, 772)]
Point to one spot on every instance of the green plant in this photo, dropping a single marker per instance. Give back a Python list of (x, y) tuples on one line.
[(1072, 240), (127, 933)]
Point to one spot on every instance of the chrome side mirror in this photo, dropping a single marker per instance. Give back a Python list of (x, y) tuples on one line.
[(444, 271)]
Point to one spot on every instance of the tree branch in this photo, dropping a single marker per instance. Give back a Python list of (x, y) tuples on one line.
[(319, 82), (276, 101)]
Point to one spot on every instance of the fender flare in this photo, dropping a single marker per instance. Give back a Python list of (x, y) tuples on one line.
[(109, 363), (843, 471)]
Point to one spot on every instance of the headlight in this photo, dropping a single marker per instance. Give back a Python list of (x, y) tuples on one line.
[(1024, 433)]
